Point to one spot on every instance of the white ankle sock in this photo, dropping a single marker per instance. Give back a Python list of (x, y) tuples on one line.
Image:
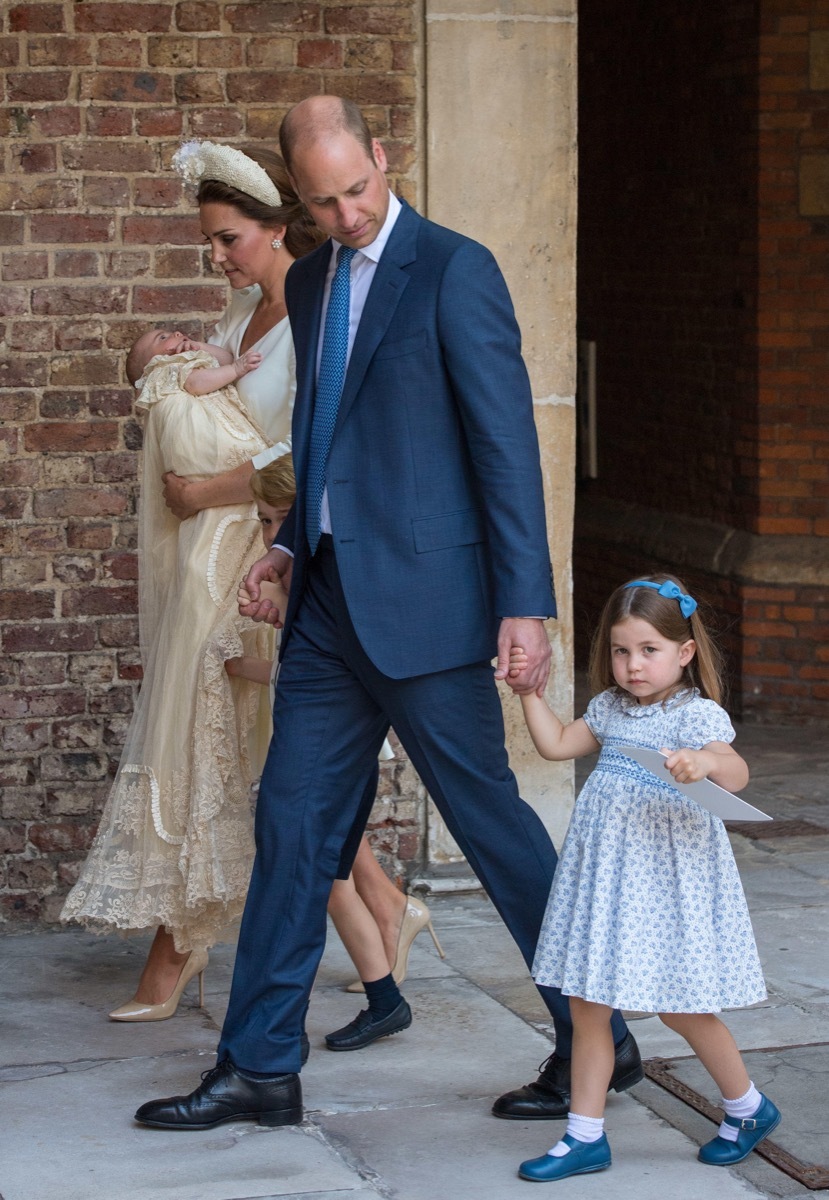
[(583, 1129), (743, 1106)]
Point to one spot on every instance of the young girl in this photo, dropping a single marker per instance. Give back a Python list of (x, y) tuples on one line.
[(647, 911)]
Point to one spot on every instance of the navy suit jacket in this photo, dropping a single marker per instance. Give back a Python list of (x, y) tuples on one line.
[(434, 480)]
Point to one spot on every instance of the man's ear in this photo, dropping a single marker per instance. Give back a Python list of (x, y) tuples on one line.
[(379, 155)]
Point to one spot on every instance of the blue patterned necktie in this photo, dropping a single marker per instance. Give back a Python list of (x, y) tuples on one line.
[(329, 389)]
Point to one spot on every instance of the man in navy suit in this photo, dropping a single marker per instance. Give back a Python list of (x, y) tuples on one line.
[(424, 556)]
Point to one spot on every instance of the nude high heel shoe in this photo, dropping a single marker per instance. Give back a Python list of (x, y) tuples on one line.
[(415, 917), (136, 1011)]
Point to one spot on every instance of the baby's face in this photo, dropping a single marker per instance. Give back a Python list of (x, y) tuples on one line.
[(270, 519), (160, 341)]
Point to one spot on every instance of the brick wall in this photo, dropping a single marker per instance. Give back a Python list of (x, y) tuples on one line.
[(98, 242), (703, 233)]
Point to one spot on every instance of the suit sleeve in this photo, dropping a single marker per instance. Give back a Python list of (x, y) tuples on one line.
[(481, 346)]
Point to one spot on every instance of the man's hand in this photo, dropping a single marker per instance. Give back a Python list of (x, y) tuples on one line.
[(177, 497), (275, 567), (527, 635)]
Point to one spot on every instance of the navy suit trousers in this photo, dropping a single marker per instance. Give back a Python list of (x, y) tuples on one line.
[(333, 709)]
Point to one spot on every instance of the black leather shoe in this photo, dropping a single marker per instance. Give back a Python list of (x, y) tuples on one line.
[(549, 1097), (363, 1030), (227, 1093)]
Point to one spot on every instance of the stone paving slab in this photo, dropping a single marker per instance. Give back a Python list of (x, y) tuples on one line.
[(69, 1137), (459, 1152)]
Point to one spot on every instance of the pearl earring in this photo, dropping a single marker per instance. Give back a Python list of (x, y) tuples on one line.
[(276, 243)]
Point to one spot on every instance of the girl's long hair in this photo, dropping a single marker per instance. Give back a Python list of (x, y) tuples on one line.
[(705, 669)]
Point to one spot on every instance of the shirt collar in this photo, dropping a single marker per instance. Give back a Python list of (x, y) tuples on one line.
[(376, 248)]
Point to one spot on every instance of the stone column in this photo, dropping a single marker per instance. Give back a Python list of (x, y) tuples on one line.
[(499, 138)]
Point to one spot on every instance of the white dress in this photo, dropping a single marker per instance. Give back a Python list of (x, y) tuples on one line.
[(175, 843), (647, 911), (266, 394)]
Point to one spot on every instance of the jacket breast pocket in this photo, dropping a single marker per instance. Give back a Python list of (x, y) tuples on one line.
[(407, 345), (450, 529)]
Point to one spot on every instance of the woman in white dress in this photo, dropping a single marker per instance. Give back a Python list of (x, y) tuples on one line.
[(174, 846)]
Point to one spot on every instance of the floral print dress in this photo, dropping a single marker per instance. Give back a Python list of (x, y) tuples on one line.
[(647, 911)]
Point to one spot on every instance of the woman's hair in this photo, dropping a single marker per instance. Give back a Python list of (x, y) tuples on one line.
[(301, 234), (275, 484), (704, 671)]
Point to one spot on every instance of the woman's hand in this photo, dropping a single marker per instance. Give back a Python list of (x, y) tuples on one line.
[(178, 495)]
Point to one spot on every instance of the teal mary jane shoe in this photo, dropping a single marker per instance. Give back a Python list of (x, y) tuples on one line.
[(721, 1153), (583, 1158)]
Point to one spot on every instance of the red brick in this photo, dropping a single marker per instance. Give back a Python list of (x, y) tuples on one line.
[(67, 301), (12, 230), (159, 122), (120, 52), (56, 703), (126, 87), (17, 406), (117, 633), (35, 193), (60, 836), (375, 19), (99, 601), (20, 737), (123, 18), (175, 231), (36, 18), (198, 17), (245, 87), (100, 192), (72, 227), (88, 535), (74, 264), (120, 566), (33, 264), (14, 605), (86, 502), (219, 52), (38, 85), (157, 193), (118, 156), (216, 122), (60, 52), (267, 16), (171, 52), (321, 52), (201, 297), (61, 437), (23, 372), (199, 87), (110, 402), (108, 122), (58, 121)]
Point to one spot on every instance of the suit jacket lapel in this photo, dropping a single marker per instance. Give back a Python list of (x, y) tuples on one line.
[(387, 287)]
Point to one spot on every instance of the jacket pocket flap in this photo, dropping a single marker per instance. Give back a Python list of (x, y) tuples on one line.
[(407, 345), (450, 529)]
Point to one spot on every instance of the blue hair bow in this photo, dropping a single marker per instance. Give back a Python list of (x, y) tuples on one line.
[(687, 604)]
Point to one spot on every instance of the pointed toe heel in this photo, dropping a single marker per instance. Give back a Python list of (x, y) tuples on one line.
[(135, 1010), (416, 917)]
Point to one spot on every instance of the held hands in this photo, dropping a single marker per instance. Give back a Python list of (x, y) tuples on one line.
[(526, 637), (274, 568)]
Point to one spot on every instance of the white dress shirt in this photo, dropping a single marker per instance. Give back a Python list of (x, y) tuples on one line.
[(363, 265)]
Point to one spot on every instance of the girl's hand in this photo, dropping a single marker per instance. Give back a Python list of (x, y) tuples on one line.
[(242, 597), (717, 761), (518, 660), (232, 666), (688, 766)]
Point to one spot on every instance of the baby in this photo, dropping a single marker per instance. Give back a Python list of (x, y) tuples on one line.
[(201, 380)]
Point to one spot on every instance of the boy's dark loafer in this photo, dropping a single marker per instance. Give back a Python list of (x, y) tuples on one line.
[(548, 1098), (227, 1093), (363, 1030)]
